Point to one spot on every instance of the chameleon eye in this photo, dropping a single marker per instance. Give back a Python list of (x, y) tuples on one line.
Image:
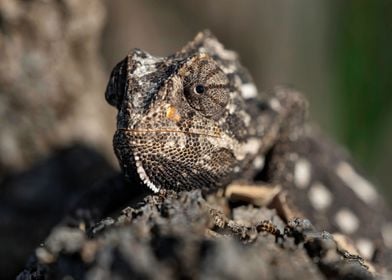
[(206, 86), (199, 89)]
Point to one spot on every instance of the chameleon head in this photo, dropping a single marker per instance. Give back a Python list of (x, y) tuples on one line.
[(182, 122)]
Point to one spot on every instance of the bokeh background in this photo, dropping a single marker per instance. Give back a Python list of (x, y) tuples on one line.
[(338, 53), (56, 56)]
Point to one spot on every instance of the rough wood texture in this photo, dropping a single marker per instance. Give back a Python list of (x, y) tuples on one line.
[(191, 236), (51, 78)]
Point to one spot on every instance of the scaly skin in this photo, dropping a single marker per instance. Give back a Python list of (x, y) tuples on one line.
[(196, 120)]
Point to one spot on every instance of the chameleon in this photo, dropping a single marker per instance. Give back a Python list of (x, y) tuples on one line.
[(196, 120)]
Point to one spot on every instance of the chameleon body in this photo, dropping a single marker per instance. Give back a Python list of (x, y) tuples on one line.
[(196, 120)]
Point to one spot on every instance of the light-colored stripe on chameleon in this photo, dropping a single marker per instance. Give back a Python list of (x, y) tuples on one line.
[(275, 104), (258, 162), (347, 221), (365, 247), (248, 91), (302, 172), (361, 187), (386, 231), (320, 197)]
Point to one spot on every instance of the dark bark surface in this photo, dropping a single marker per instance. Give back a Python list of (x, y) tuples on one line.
[(190, 236)]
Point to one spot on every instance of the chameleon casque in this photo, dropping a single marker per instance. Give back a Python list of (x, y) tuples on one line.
[(195, 120)]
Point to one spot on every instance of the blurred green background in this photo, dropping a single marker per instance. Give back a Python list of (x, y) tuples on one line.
[(339, 53)]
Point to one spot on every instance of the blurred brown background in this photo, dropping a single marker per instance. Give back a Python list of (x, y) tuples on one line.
[(56, 56), (336, 52)]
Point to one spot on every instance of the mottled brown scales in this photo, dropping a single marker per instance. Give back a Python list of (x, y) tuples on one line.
[(171, 114)]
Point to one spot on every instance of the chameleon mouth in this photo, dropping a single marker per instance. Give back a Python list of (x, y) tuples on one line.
[(168, 130), (170, 158), (149, 158)]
